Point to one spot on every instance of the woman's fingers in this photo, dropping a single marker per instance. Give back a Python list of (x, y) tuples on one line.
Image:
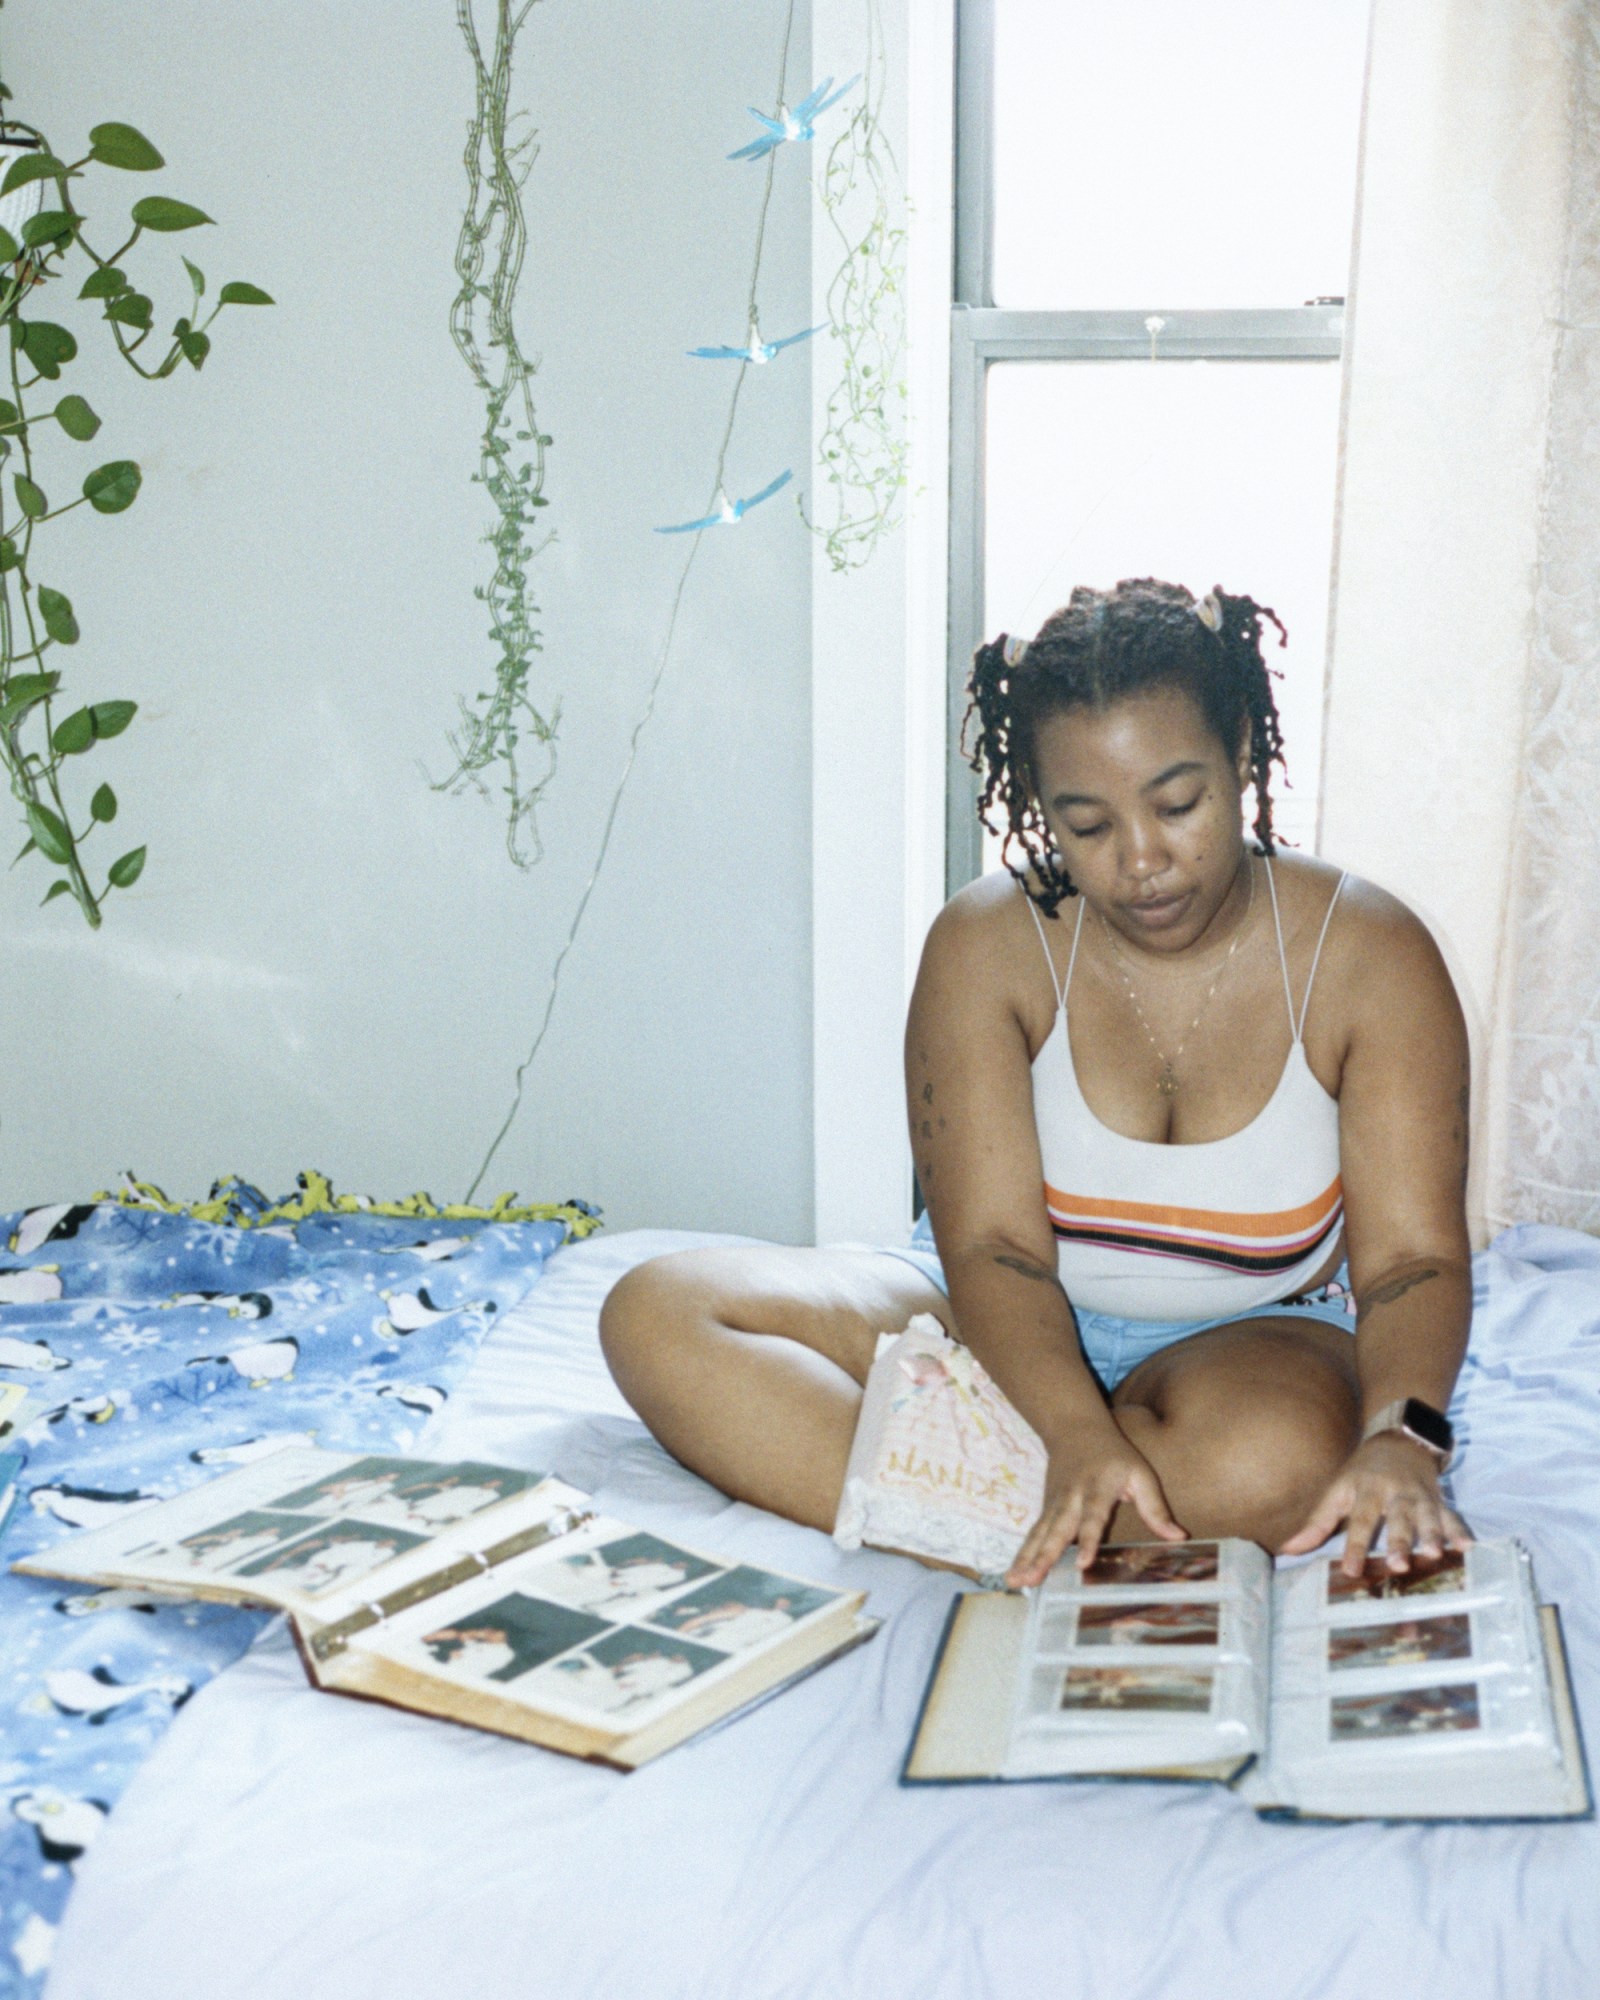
[(1400, 1533), (1045, 1541), (1144, 1490), (1097, 1514), (1457, 1534), (1363, 1526), (1324, 1518)]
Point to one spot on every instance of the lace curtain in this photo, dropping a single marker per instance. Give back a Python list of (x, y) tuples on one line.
[(1547, 1102), (1462, 749)]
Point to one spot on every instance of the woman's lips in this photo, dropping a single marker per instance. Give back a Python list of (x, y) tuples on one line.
[(1158, 914)]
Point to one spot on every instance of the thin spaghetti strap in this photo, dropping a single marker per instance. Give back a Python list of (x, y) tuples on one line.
[(1072, 956), (1283, 962), (1055, 984), (1317, 955)]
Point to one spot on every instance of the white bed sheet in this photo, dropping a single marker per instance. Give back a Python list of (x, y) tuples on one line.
[(285, 1845)]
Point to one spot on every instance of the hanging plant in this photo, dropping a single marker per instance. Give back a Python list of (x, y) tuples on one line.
[(497, 723), (43, 242), (863, 446)]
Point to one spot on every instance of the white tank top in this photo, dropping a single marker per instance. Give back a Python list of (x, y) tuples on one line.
[(1153, 1231)]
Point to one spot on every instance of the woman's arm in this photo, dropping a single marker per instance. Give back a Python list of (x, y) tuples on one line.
[(970, 1097), (1403, 1121)]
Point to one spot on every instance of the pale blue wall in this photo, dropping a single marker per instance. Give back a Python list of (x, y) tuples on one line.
[(326, 964)]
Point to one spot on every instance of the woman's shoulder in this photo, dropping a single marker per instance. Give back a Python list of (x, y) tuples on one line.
[(1306, 885), (1374, 947)]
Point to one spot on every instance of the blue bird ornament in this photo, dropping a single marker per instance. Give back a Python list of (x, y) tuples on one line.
[(729, 512), (757, 350), (797, 124)]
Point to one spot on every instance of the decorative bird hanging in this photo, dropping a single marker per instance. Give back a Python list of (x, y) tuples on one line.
[(728, 511), (798, 124), (757, 351)]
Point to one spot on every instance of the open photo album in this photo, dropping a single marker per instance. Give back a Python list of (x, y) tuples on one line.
[(481, 1594), (1436, 1693)]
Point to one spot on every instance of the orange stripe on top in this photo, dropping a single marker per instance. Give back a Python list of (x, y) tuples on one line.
[(1220, 1222)]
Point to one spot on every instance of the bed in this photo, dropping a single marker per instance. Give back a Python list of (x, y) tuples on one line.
[(279, 1844)]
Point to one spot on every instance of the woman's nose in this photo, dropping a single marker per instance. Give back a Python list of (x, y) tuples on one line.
[(1144, 851)]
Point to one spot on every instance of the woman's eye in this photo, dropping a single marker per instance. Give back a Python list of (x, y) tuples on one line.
[(1177, 812), (1086, 832)]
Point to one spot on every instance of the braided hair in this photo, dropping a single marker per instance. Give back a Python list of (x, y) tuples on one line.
[(1100, 648)]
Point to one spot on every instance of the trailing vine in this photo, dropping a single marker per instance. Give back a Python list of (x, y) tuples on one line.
[(500, 723), (786, 126), (40, 745), (863, 445)]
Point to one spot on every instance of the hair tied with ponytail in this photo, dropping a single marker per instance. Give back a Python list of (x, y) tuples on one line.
[(1101, 647)]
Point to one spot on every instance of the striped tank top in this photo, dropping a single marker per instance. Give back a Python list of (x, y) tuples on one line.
[(1154, 1231)]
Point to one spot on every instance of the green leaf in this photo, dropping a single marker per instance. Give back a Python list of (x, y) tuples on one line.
[(50, 225), (47, 346), (103, 284), (25, 691), (131, 308), (110, 488), (121, 146), (196, 346), (29, 846), (160, 211), (237, 293), (29, 497), (75, 734), (103, 806), (60, 887), (55, 843), (75, 417), (9, 558), (10, 415), (126, 869), (112, 717), (59, 622), (10, 248), (32, 167), (197, 277)]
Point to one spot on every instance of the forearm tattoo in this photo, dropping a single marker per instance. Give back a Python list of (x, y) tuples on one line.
[(1026, 1268), (1396, 1288)]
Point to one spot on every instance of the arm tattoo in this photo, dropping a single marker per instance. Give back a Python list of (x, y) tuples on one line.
[(1385, 1295), (1026, 1268)]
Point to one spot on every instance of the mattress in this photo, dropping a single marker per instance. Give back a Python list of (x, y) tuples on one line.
[(286, 1845)]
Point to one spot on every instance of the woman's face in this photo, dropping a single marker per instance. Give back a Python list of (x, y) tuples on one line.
[(1143, 803)]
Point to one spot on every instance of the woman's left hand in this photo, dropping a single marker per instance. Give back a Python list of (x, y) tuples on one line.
[(1390, 1479)]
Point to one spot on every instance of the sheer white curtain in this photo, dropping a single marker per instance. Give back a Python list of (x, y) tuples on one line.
[(1545, 1159), (1462, 750)]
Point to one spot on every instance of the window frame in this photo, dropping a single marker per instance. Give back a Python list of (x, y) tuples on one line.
[(982, 334)]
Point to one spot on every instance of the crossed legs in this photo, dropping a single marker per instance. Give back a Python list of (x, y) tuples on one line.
[(748, 1364)]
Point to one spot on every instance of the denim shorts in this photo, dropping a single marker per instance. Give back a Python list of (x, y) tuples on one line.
[(1114, 1347)]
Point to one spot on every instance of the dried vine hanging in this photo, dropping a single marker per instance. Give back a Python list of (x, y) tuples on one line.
[(862, 446), (718, 515), (502, 730)]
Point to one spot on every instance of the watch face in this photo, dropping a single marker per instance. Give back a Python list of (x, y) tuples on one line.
[(1425, 1422)]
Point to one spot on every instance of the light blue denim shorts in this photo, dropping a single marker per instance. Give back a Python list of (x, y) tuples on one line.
[(1114, 1347)]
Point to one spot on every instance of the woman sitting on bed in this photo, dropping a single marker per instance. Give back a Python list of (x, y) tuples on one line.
[(1164, 1082)]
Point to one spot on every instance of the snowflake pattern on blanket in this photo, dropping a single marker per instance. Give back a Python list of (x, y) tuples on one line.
[(159, 1351)]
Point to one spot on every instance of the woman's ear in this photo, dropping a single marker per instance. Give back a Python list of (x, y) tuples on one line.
[(1242, 762)]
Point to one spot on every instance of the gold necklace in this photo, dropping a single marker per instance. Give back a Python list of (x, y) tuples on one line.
[(1167, 1081)]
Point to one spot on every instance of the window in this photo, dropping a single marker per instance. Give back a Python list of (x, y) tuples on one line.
[(1154, 209)]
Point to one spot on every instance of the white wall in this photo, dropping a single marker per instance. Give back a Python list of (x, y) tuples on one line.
[(326, 963)]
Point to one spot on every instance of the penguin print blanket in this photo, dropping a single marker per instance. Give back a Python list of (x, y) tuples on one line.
[(157, 1350)]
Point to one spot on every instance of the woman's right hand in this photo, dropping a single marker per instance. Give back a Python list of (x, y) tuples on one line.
[(1087, 1478)]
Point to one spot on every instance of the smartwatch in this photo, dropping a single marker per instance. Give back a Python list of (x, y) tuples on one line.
[(1421, 1422)]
